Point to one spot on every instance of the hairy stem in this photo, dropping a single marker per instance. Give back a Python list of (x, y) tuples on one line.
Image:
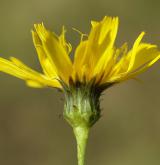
[(81, 134)]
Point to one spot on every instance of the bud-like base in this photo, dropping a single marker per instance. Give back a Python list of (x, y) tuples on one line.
[(81, 105)]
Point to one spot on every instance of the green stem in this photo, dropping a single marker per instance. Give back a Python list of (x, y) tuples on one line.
[(81, 134)]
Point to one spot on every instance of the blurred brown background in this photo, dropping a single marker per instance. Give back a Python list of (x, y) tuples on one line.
[(32, 131)]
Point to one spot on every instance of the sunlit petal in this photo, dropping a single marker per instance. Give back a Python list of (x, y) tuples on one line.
[(55, 51), (16, 68)]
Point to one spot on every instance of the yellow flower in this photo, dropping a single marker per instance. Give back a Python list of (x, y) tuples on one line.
[(96, 57), (97, 64)]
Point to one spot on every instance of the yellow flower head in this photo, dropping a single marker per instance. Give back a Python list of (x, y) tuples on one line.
[(96, 58), (97, 64)]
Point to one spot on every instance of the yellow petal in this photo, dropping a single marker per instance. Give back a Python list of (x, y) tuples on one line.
[(121, 61), (45, 62), (78, 59), (132, 55), (145, 56), (34, 84), (126, 61), (18, 69), (54, 49), (101, 38), (90, 53), (62, 40), (104, 64), (110, 63)]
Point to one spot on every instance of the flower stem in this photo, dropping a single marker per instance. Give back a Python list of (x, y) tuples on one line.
[(81, 134)]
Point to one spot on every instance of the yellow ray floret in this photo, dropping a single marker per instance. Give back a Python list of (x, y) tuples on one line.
[(16, 68), (55, 51), (96, 57)]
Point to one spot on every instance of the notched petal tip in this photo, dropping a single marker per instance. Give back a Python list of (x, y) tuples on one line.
[(41, 31)]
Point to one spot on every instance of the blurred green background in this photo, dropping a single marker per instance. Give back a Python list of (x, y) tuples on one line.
[(32, 130)]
